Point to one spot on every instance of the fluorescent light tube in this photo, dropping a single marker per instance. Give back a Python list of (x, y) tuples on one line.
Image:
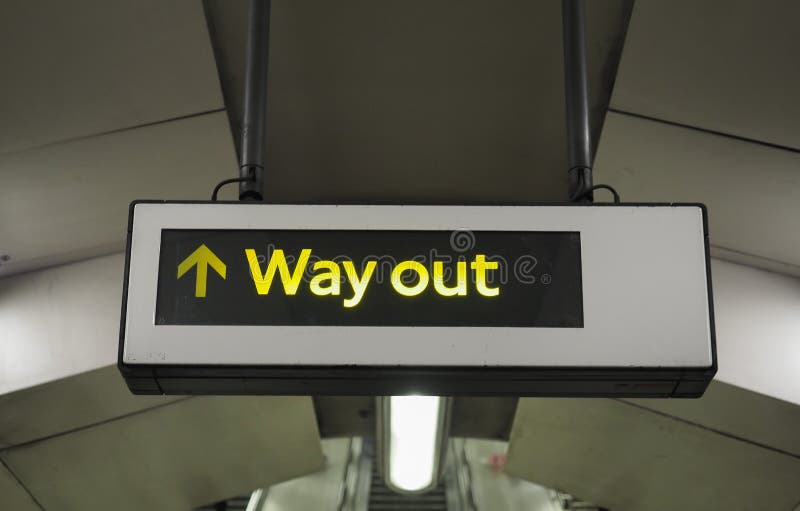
[(414, 442)]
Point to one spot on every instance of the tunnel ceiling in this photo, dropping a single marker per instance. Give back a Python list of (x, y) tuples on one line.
[(368, 101), (416, 101)]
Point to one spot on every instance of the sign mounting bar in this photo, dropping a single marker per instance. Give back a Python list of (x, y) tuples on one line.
[(576, 92), (255, 102)]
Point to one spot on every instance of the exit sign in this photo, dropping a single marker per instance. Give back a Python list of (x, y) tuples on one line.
[(583, 300), (311, 277)]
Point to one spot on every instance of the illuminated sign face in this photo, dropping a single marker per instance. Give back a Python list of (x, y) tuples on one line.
[(370, 278)]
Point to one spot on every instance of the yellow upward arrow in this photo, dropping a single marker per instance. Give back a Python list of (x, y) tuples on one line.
[(202, 258)]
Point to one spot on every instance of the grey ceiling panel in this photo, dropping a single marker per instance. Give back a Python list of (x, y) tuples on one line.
[(767, 421), (723, 65), (179, 456), (83, 67), (369, 101), (417, 101), (12, 495), (69, 201), (751, 190), (67, 404), (629, 458)]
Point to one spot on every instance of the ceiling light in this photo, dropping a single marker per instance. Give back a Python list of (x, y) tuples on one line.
[(412, 443)]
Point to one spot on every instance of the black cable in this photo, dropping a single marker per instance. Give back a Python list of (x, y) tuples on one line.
[(227, 182), (585, 193)]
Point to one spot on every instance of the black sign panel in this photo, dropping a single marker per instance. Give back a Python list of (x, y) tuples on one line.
[(370, 278)]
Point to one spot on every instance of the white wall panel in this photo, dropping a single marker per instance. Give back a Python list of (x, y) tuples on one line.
[(758, 330), (59, 322)]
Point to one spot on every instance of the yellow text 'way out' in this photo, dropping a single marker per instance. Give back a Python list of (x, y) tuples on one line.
[(327, 281)]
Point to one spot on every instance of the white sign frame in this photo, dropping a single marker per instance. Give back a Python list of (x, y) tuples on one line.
[(646, 296)]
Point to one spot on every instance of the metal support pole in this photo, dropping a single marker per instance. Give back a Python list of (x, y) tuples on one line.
[(576, 91), (255, 102)]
